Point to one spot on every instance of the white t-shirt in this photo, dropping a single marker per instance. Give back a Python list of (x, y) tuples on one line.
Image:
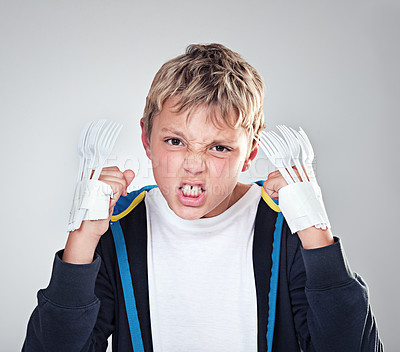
[(201, 281)]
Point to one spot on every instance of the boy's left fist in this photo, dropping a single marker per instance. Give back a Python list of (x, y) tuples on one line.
[(300, 202), (274, 183)]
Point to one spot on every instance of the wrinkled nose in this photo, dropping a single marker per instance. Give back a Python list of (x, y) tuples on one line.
[(194, 164)]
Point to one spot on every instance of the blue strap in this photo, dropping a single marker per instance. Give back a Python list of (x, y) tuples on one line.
[(127, 287), (129, 296), (273, 285)]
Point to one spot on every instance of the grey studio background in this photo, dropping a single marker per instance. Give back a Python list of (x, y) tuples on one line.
[(330, 67)]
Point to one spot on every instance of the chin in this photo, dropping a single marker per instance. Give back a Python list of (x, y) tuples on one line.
[(188, 213)]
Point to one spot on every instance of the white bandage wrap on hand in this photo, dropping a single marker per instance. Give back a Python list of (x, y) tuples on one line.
[(302, 206), (91, 202)]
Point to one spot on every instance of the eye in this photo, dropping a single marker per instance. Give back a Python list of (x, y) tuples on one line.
[(220, 148), (174, 141)]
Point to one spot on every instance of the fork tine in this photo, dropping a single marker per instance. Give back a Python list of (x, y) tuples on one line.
[(291, 145), (105, 133), (268, 148), (286, 139), (307, 155), (103, 140), (94, 142), (294, 149), (113, 135), (271, 145), (106, 145), (281, 142), (283, 150), (286, 135), (116, 134), (278, 165), (277, 139), (265, 147), (273, 155), (270, 142), (304, 135), (303, 146), (81, 148), (90, 146)]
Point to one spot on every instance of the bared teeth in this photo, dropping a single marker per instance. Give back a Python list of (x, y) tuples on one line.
[(191, 191)]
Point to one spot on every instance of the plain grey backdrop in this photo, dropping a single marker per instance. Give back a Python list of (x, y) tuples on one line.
[(330, 67)]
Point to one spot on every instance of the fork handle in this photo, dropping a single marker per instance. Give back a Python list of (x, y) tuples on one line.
[(80, 170), (310, 171), (301, 171), (285, 175), (98, 169), (292, 173)]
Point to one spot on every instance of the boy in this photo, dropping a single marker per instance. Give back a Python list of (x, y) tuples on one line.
[(211, 264)]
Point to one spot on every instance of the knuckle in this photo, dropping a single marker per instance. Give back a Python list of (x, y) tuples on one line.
[(118, 173), (109, 169)]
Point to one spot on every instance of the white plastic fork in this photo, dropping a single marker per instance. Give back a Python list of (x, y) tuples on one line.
[(283, 151), (105, 145), (89, 160), (307, 152), (81, 148), (90, 148), (95, 144), (307, 157), (294, 149), (274, 157)]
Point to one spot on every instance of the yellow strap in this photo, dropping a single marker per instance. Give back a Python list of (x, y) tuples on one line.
[(132, 206), (269, 200), (141, 196)]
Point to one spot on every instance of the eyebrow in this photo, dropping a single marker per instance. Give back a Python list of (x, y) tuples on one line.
[(178, 133), (215, 142)]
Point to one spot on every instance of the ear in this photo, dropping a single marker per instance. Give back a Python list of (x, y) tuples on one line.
[(250, 158), (145, 140)]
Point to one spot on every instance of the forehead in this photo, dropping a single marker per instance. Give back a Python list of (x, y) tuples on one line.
[(202, 119)]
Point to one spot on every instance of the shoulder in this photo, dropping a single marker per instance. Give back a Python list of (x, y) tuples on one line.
[(126, 204)]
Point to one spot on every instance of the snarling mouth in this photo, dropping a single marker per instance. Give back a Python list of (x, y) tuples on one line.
[(192, 191)]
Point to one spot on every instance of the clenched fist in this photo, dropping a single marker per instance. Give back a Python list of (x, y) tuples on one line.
[(82, 243)]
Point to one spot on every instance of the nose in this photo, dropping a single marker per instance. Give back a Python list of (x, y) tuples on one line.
[(194, 164)]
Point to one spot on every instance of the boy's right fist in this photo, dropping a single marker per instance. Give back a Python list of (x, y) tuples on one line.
[(118, 181), (82, 243)]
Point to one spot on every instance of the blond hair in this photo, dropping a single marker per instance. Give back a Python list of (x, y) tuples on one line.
[(214, 76)]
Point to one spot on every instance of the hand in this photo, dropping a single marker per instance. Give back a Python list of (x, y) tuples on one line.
[(118, 181), (81, 243), (274, 183), (310, 237)]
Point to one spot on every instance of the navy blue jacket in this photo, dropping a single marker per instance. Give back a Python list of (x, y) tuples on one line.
[(321, 306)]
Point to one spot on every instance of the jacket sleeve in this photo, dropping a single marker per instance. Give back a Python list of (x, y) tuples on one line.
[(330, 303), (67, 316)]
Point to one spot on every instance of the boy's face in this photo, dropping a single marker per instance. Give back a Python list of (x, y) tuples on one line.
[(195, 164)]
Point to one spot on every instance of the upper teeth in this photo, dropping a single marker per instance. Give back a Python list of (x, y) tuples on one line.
[(193, 191)]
